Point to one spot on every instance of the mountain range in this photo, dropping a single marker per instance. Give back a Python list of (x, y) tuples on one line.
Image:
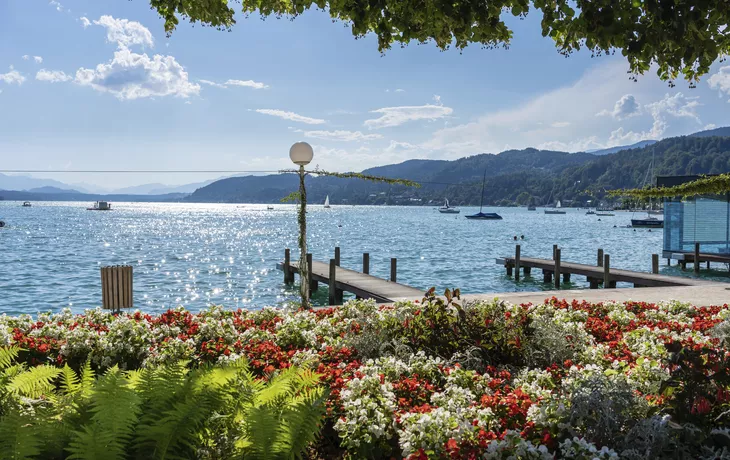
[(513, 177)]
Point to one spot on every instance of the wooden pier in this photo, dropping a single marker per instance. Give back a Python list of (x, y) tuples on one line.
[(601, 273), (340, 280), (695, 257)]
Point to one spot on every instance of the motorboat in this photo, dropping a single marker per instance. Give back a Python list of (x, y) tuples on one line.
[(101, 206), (649, 222), (27, 204)]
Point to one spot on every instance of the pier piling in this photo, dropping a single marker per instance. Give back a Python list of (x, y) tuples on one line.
[(655, 263), (288, 274), (393, 267), (600, 258), (366, 263), (557, 267), (517, 262), (697, 258), (337, 256)]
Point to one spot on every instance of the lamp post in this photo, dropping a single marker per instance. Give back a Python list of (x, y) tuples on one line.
[(301, 154)]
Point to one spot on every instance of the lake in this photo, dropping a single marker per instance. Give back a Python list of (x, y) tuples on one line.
[(200, 254)]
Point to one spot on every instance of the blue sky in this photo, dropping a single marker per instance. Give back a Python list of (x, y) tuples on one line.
[(96, 84)]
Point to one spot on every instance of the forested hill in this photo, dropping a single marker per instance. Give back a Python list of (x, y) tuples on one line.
[(513, 177)]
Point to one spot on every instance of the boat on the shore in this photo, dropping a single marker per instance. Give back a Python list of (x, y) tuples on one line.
[(26, 204), (484, 215), (101, 206), (446, 209)]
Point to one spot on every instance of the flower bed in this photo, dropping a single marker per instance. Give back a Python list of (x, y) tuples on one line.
[(441, 379)]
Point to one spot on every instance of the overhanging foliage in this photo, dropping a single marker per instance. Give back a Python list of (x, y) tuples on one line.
[(713, 185), (682, 37), (351, 175)]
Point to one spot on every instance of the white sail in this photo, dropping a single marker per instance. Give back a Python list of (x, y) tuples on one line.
[(558, 205), (327, 202), (447, 203)]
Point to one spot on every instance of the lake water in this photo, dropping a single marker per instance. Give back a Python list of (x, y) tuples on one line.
[(201, 254)]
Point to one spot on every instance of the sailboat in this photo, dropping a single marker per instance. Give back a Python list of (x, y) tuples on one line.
[(650, 221), (556, 210), (446, 209), (484, 215), (327, 202)]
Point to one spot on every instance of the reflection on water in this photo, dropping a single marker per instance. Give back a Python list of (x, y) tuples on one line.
[(201, 254)]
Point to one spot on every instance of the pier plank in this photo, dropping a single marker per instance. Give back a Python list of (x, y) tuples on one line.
[(362, 285), (591, 271)]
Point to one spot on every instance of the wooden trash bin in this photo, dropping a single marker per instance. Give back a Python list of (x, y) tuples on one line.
[(116, 287)]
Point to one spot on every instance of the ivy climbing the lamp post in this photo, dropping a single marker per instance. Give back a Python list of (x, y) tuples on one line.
[(301, 154)]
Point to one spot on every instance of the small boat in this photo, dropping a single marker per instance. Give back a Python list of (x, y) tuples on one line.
[(649, 222), (604, 209), (531, 208), (656, 212), (327, 202), (484, 215), (101, 206), (446, 209), (27, 204), (270, 208), (2, 224), (556, 210), (605, 214), (590, 212)]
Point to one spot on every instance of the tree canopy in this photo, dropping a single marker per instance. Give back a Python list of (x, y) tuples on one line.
[(708, 185), (683, 38)]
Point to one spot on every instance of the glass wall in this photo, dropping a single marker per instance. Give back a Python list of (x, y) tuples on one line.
[(704, 219)]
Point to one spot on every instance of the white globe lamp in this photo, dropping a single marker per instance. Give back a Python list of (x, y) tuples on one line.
[(301, 153)]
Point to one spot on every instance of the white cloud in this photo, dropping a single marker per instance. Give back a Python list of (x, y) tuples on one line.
[(84, 22), (52, 76), (212, 83), (13, 76), (56, 4), (560, 124), (291, 116), (721, 81), (625, 107), (125, 32), (677, 106), (395, 116), (38, 59), (345, 136), (133, 76), (248, 83), (26, 57), (399, 90), (709, 126)]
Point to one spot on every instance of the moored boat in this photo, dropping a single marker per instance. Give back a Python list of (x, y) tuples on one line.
[(556, 210), (484, 215), (327, 202), (26, 204), (446, 209), (531, 208), (101, 206), (649, 222)]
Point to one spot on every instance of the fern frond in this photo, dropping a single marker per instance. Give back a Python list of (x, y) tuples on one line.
[(34, 382), (70, 382), (87, 378), (301, 424), (19, 438), (8, 355)]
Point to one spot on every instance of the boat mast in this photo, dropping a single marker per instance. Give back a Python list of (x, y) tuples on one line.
[(481, 201)]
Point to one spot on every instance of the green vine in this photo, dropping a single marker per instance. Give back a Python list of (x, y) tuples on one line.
[(352, 175), (706, 185)]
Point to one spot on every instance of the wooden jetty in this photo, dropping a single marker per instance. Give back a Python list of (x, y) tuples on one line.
[(595, 274), (340, 280), (695, 257)]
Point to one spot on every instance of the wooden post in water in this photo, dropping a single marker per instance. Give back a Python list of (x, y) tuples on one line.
[(655, 263), (393, 267), (288, 275), (508, 266), (593, 282), (366, 263), (517, 262), (697, 257), (333, 281), (555, 248), (337, 256), (606, 271), (557, 268), (313, 285), (547, 276), (600, 258)]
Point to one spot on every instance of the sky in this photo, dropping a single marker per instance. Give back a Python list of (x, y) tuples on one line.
[(96, 84)]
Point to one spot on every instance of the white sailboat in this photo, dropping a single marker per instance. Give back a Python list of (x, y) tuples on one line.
[(327, 202), (446, 209), (556, 210)]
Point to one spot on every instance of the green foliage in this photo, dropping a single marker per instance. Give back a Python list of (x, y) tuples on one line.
[(715, 185), (682, 38), (443, 327), (167, 412)]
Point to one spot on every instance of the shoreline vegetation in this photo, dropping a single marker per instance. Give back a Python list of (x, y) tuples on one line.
[(431, 379)]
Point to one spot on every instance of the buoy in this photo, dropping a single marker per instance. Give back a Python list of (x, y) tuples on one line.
[(2, 224)]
